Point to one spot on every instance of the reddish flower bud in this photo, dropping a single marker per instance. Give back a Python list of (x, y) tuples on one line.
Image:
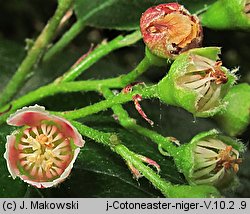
[(169, 29), (247, 8), (43, 152)]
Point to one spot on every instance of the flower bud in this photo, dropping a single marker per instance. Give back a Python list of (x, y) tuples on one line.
[(43, 151), (169, 29), (210, 159), (197, 82), (236, 117), (227, 14)]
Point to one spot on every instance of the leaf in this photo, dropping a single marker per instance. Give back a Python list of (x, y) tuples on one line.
[(121, 14), (12, 54), (8, 186), (8, 63)]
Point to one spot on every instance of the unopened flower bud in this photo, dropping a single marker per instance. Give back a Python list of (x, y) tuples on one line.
[(227, 14), (169, 29), (236, 117), (210, 158), (43, 151), (197, 82)]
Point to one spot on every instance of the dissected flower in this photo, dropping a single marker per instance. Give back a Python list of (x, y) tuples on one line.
[(43, 151), (214, 160), (210, 158), (205, 76), (169, 29), (197, 82)]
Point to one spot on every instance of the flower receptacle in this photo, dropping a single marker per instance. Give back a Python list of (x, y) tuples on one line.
[(210, 158), (197, 82)]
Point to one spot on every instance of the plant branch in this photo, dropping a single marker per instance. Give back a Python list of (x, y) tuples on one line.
[(167, 189), (65, 39), (130, 123), (35, 52), (64, 87), (75, 29), (52, 89), (147, 92), (99, 52)]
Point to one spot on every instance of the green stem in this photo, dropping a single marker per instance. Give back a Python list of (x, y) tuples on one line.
[(99, 52), (114, 143), (130, 123), (167, 189), (91, 85), (107, 139), (76, 29), (52, 89), (35, 52), (65, 39), (147, 92), (143, 66)]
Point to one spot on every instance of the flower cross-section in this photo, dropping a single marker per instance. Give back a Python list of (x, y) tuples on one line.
[(43, 151)]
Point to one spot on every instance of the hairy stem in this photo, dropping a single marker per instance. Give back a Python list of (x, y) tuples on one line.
[(76, 29), (99, 52), (66, 39), (130, 123), (64, 87), (52, 89), (167, 188), (147, 92), (35, 52)]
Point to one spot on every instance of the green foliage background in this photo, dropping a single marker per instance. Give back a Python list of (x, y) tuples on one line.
[(98, 172)]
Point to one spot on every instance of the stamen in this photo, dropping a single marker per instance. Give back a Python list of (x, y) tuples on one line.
[(43, 127), (212, 159), (191, 78), (212, 143), (52, 131), (199, 83), (203, 163), (204, 171), (205, 98), (213, 178), (34, 129), (205, 77), (207, 153), (212, 100), (39, 156), (204, 89)]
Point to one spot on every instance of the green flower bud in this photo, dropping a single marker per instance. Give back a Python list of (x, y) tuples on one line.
[(197, 82), (210, 159), (236, 117), (227, 14)]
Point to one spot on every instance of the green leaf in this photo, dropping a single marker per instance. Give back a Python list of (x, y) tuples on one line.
[(9, 63), (121, 14), (8, 186)]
